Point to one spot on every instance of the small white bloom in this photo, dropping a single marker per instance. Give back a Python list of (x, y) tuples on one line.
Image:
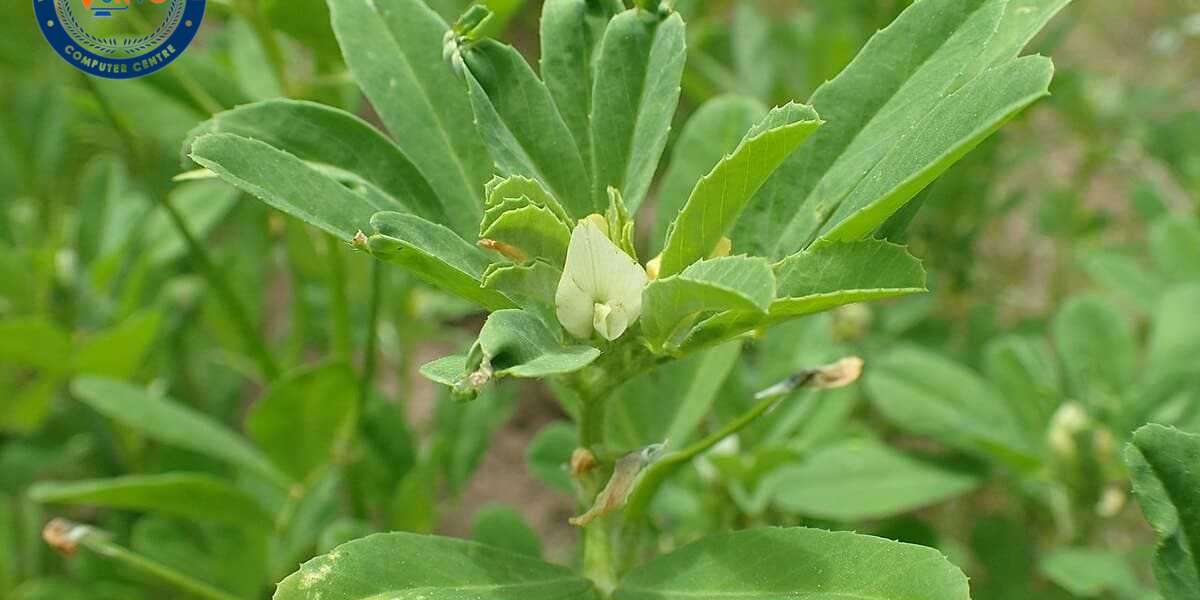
[(601, 286)]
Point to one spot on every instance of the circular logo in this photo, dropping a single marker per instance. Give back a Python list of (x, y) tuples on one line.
[(119, 39)]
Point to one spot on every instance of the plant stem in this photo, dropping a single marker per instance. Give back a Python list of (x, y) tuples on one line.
[(598, 557), (67, 537), (370, 357), (654, 475), (338, 302), (233, 306)]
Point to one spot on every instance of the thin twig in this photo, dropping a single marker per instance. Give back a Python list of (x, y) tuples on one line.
[(66, 537)]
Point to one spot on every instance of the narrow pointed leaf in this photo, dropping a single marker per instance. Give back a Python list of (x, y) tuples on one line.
[(929, 395), (522, 127), (859, 480), (394, 51), (821, 279), (719, 197), (571, 30), (638, 71), (434, 254), (1162, 463), (328, 136), (885, 94), (711, 133), (406, 565), (166, 421), (736, 283), (839, 274), (303, 417), (1097, 348), (796, 563), (952, 129), (286, 183), (193, 496)]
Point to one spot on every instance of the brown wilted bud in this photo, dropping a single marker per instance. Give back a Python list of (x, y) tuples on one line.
[(826, 377), (509, 251), (582, 461), (360, 241), (836, 375), (64, 536)]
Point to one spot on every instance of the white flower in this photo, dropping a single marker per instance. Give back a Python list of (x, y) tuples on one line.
[(601, 286)]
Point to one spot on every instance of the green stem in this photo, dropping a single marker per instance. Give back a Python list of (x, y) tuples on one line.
[(220, 286), (338, 301), (654, 475), (369, 358), (67, 536), (598, 564)]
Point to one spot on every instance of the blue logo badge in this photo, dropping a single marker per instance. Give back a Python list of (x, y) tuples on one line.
[(119, 39)]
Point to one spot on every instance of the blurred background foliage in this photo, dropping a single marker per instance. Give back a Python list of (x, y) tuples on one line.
[(1064, 260)]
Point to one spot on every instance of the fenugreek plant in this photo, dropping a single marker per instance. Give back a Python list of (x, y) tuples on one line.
[(517, 190)]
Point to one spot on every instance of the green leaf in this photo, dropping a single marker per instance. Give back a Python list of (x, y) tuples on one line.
[(929, 395), (166, 421), (304, 416), (1175, 336), (889, 101), (796, 563), (35, 342), (286, 183), (394, 51), (1097, 348), (738, 283), (833, 275), (1025, 372), (601, 286), (434, 254), (942, 137), (719, 197), (712, 132), (534, 230), (1162, 463), (447, 370), (1090, 573), (251, 66), (193, 496), (502, 527), (402, 565), (549, 453), (638, 70), (523, 129), (1175, 246), (531, 285), (819, 279), (118, 352), (684, 392), (338, 140), (1123, 275), (202, 204), (864, 479), (570, 32), (517, 344), (505, 193)]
